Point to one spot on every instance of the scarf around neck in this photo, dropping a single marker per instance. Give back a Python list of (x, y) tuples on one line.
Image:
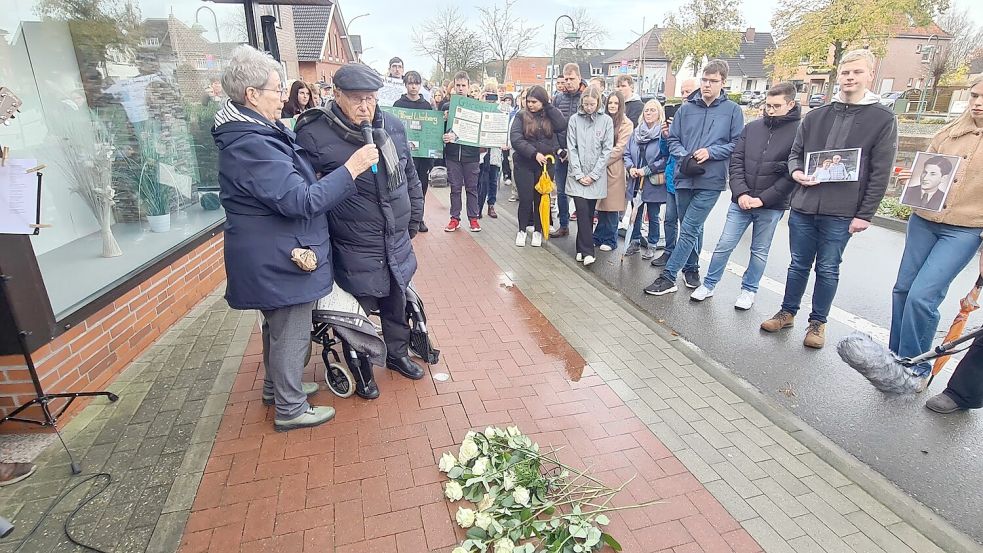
[(353, 135), (645, 134)]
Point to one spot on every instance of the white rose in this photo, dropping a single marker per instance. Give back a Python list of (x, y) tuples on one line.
[(469, 450), (504, 545), (482, 520), (460, 550), (509, 482), (521, 496), (489, 432), (514, 431), (453, 491), (470, 435), (465, 517), (447, 462), (480, 466), (486, 503)]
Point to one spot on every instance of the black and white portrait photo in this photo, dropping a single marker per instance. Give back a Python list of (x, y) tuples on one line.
[(931, 178)]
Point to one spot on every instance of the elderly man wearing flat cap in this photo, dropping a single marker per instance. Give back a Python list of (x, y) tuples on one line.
[(371, 230)]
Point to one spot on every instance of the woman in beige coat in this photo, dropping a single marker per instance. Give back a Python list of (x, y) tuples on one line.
[(939, 244), (606, 232)]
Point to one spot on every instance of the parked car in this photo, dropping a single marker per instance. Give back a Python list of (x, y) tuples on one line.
[(888, 98), (749, 96), (659, 96), (817, 100)]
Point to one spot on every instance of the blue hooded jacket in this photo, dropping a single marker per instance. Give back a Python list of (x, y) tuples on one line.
[(273, 203), (716, 127)]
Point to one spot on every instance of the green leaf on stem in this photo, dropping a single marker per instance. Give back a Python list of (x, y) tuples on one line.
[(610, 541)]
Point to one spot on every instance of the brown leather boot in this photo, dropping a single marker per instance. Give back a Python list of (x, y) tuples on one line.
[(780, 320), (560, 232), (492, 213), (815, 335)]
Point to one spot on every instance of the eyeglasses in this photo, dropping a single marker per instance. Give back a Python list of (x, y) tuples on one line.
[(281, 91), (710, 81), (369, 100), (774, 107)]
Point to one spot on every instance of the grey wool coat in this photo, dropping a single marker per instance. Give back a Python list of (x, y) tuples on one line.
[(590, 139)]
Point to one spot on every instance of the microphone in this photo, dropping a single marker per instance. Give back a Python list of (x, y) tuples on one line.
[(367, 137)]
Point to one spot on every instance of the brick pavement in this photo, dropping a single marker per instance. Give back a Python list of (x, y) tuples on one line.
[(368, 480), (783, 494)]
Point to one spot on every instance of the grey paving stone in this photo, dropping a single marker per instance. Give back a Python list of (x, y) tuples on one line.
[(830, 494), (766, 536), (775, 517), (805, 544), (683, 410), (711, 434), (869, 505), (718, 421), (167, 534), (913, 539), (752, 414), (818, 531), (677, 423), (704, 449), (731, 500), (696, 465), (780, 474), (786, 440), (181, 495), (789, 461), (753, 432), (832, 476), (736, 479), (625, 392), (723, 393), (643, 411), (863, 544), (828, 515), (780, 496), (877, 533), (747, 467), (747, 447), (668, 436)]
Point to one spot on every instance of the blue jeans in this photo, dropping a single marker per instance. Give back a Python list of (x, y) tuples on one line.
[(487, 185), (934, 253), (672, 234), (562, 202), (819, 240), (653, 209), (606, 231), (693, 207), (763, 222)]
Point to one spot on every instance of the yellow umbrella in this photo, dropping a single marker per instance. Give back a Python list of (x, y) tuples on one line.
[(545, 186)]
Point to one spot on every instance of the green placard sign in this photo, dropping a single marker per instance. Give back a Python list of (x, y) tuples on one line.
[(424, 130), (477, 123)]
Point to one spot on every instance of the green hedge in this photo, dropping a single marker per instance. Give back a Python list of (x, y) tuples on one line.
[(734, 96), (891, 207)]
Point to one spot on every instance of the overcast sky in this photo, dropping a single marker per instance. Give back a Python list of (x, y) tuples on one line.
[(387, 30)]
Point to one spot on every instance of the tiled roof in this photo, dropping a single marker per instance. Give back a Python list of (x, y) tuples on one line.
[(750, 59), (310, 27), (653, 48), (926, 31)]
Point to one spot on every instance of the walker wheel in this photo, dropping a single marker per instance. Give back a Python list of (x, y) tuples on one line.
[(339, 379)]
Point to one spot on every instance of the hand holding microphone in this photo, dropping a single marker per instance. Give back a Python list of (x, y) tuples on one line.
[(367, 137), (365, 157)]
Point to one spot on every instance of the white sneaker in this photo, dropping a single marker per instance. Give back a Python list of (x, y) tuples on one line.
[(701, 293), (508, 182), (537, 239), (744, 300), (605, 248), (530, 228), (580, 257), (520, 238), (588, 260)]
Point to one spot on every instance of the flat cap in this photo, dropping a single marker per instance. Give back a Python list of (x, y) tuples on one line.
[(357, 76)]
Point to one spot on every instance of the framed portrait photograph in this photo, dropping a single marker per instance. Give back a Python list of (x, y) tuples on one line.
[(931, 180), (834, 165)]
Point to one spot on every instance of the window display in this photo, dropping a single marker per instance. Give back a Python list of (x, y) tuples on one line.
[(118, 100)]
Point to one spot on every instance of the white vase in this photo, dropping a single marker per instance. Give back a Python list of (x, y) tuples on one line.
[(110, 247), (159, 223)]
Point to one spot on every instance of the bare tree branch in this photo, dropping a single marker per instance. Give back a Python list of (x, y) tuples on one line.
[(506, 35), (591, 32)]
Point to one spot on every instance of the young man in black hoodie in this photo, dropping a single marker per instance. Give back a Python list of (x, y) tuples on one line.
[(633, 102), (414, 100), (825, 215), (463, 165), (760, 187)]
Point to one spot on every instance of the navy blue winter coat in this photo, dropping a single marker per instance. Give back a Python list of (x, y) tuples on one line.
[(716, 127), (273, 203), (370, 231)]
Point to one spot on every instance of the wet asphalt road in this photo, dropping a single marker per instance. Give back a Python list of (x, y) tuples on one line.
[(934, 458)]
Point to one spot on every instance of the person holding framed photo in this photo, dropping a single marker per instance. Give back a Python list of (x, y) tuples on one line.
[(939, 244)]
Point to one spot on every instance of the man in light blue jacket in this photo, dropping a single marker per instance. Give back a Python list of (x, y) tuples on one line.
[(702, 137)]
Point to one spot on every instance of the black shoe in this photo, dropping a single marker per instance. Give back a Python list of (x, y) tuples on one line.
[(661, 260), (632, 249), (423, 227), (406, 367), (661, 286), (692, 279)]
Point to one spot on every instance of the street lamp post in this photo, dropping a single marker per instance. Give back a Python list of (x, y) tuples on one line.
[(931, 56), (352, 20), (571, 34), (218, 37)]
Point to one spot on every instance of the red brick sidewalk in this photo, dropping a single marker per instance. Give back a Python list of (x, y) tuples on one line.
[(368, 481)]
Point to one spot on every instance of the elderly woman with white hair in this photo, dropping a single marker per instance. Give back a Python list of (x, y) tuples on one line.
[(277, 243)]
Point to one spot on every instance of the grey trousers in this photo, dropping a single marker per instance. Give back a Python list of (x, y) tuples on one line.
[(286, 335), (463, 174)]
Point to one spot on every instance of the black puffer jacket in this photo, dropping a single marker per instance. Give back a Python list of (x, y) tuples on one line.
[(526, 148), (759, 164), (457, 152), (370, 231)]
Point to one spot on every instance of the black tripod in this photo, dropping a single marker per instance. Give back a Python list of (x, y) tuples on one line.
[(42, 398)]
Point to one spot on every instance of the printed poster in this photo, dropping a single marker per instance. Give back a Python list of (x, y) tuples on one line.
[(477, 123), (424, 130)]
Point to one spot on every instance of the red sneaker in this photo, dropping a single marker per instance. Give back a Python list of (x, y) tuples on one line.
[(452, 226), (475, 227)]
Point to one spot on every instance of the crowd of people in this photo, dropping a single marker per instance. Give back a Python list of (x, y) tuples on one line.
[(621, 162)]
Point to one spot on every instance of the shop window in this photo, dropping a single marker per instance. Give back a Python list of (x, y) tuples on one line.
[(118, 101)]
